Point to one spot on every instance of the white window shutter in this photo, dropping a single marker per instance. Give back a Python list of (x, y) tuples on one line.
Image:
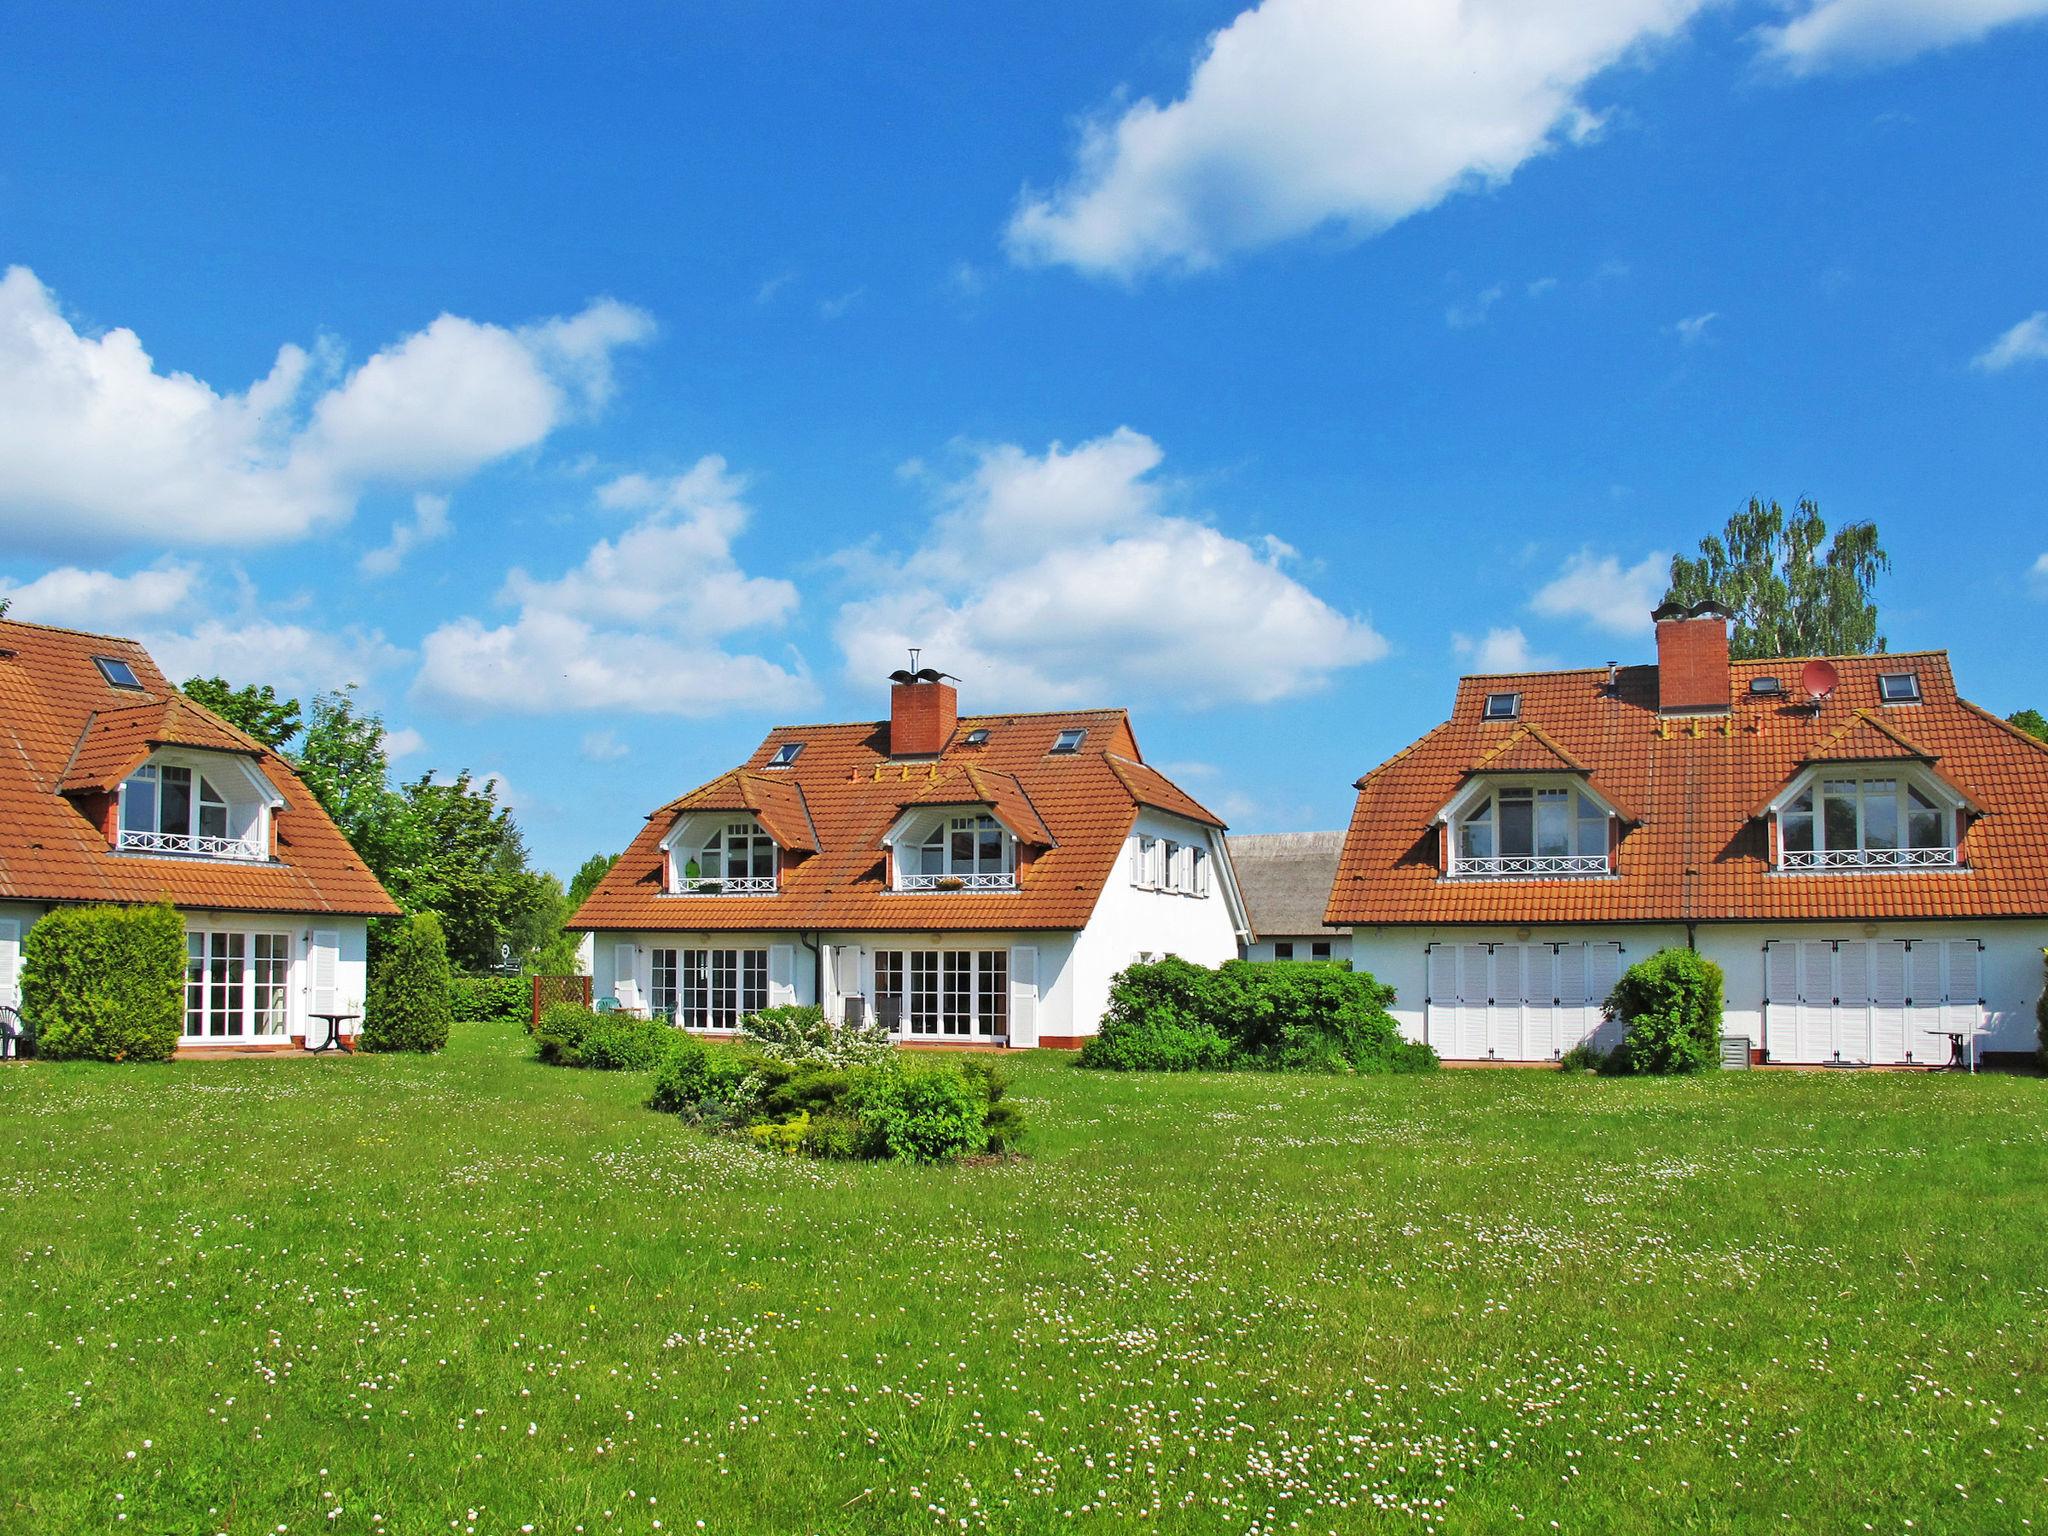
[(1960, 1014), (10, 962), (626, 975), (1781, 997), (1024, 994), (1440, 1008), (781, 975), (1888, 1001), (1603, 972), (323, 967)]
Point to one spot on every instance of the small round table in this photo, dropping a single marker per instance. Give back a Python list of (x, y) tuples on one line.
[(334, 1021)]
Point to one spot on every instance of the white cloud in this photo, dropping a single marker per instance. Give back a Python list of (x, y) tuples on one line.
[(2039, 575), (603, 747), (1499, 650), (1852, 32), (97, 444), (403, 742), (1463, 316), (2026, 342), (1600, 591), (294, 658), (1302, 114), (1693, 328), (99, 599), (636, 625), (1056, 579), (429, 522)]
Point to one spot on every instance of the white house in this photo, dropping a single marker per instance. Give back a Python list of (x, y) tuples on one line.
[(1286, 879), (116, 788), (1863, 852), (971, 879)]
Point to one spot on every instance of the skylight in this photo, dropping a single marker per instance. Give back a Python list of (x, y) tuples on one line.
[(786, 754), (1069, 740), (1766, 685), (117, 672), (1503, 706), (978, 737), (1899, 687)]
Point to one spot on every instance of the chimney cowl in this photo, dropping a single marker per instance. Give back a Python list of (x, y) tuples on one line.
[(1692, 658), (924, 709)]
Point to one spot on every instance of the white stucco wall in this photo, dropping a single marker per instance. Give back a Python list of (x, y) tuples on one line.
[(2012, 977), (1262, 948)]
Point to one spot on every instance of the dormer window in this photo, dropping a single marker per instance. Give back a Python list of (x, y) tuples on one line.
[(959, 853), (736, 858), (786, 754), (1524, 832), (1503, 706), (1899, 687), (118, 673), (174, 808), (1068, 741), (1878, 821)]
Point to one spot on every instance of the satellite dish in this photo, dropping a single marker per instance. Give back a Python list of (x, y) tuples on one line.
[(1819, 679)]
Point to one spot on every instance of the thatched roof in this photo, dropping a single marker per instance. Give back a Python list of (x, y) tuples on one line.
[(1286, 878)]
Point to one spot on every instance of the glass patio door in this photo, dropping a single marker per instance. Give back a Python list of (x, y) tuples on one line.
[(237, 986)]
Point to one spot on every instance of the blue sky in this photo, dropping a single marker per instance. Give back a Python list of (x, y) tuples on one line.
[(597, 390)]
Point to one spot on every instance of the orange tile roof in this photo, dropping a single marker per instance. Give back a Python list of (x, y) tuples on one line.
[(1698, 851), (1083, 804), (777, 803), (67, 736)]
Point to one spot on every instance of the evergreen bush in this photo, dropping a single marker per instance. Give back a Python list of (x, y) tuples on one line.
[(1671, 1003), (408, 1006), (103, 983)]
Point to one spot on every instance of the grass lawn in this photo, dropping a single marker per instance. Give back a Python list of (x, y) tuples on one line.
[(475, 1294)]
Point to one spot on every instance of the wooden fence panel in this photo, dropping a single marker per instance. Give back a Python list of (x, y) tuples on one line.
[(559, 989)]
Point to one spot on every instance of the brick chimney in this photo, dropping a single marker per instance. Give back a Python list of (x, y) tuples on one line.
[(1692, 658), (923, 709)]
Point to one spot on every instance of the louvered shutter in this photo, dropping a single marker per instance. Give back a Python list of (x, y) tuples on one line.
[(1574, 1025), (1961, 1010), (1475, 998), (626, 975), (1852, 1000), (1024, 994), (1539, 1002), (1781, 1000), (1924, 994), (1816, 1037), (781, 975), (10, 962), (1440, 1009), (1888, 1001), (1603, 973), (324, 964)]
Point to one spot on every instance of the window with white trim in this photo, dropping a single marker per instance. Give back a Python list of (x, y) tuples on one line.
[(1531, 832), (237, 985), (1141, 860), (1172, 865), (963, 853), (737, 858), (956, 994), (708, 988), (1845, 821), (171, 808), (1198, 871)]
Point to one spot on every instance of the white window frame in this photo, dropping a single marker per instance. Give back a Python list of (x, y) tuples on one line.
[(946, 993), (213, 787), (1805, 800), (709, 989), (241, 977), (1473, 825), (690, 843), (1912, 694), (935, 860)]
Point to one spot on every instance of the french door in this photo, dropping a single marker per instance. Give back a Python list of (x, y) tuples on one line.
[(237, 985), (945, 994)]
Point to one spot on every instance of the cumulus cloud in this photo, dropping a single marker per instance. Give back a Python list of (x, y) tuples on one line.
[(429, 522), (1499, 650), (636, 625), (603, 747), (1057, 579), (403, 742), (97, 443), (294, 658), (1693, 328), (2039, 575), (1864, 32), (1602, 592), (2026, 342), (1302, 114), (81, 599)]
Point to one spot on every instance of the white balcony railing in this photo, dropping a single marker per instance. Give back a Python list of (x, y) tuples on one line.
[(1820, 860), (1002, 880), (190, 844), (735, 885), (1541, 866)]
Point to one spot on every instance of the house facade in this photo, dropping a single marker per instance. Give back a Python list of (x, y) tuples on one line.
[(1286, 878), (1863, 852), (116, 788), (961, 879)]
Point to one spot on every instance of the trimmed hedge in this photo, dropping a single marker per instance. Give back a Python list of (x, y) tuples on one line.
[(1671, 1003), (407, 1009), (491, 999), (1277, 1016), (925, 1111), (105, 983)]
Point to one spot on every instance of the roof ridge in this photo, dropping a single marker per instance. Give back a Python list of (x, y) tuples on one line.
[(1117, 761), (66, 629), (986, 714), (1865, 716), (1442, 725), (2006, 725)]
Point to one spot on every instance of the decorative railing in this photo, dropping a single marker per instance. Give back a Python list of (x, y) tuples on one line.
[(189, 843), (736, 885), (1815, 860), (1541, 866), (1005, 880)]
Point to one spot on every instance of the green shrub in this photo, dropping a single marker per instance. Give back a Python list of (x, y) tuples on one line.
[(491, 999), (1176, 1017), (1583, 1057), (1671, 1003), (839, 1138), (922, 1112), (616, 1043), (408, 1008), (707, 1082), (105, 983), (784, 1136), (804, 1034)]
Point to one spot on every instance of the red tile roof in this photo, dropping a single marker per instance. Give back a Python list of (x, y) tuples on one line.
[(1696, 785), (1082, 806), (68, 737), (777, 803)]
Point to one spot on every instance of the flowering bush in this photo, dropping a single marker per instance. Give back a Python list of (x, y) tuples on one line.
[(805, 1035)]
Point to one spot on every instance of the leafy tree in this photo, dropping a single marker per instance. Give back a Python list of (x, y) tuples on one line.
[(342, 761), (1794, 591), (462, 856), (2032, 721), (257, 710), (408, 1008), (588, 873)]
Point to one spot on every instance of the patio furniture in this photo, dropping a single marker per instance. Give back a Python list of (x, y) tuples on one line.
[(334, 1021), (13, 1035)]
